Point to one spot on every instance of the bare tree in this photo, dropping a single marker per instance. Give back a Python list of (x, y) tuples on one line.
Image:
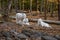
[(41, 8), (45, 9), (52, 9), (6, 8), (37, 4), (31, 6), (20, 4), (23, 4), (59, 10)]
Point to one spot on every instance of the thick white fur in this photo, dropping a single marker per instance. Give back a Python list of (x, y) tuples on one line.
[(43, 24), (20, 17), (26, 21)]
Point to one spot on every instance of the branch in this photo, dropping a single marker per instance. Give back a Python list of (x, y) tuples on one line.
[(47, 21), (35, 20)]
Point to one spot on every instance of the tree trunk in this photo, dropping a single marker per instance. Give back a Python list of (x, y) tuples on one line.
[(20, 4), (41, 8), (31, 6), (52, 9), (48, 21), (6, 9), (59, 10), (16, 5), (37, 5), (23, 5), (35, 20), (45, 9)]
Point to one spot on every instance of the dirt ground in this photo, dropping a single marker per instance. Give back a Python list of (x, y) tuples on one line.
[(51, 31), (12, 25)]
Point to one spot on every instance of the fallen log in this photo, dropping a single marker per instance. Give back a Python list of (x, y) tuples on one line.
[(35, 20), (47, 21)]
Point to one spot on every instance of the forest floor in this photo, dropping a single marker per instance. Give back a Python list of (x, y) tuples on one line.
[(6, 26), (54, 18)]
